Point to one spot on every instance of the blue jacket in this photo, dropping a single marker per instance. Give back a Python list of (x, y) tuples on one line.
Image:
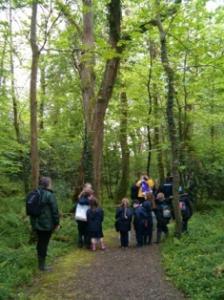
[(95, 219), (147, 205), (140, 216), (123, 219)]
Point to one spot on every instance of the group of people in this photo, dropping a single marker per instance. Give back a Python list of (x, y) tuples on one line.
[(147, 203), (89, 217)]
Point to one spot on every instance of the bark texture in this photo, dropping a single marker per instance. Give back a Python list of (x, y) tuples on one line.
[(171, 123), (124, 180), (33, 98)]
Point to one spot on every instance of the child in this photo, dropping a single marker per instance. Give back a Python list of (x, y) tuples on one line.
[(140, 218), (83, 200), (148, 205), (123, 221), (95, 217), (186, 210), (163, 215)]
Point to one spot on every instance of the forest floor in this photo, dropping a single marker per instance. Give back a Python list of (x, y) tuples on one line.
[(114, 274)]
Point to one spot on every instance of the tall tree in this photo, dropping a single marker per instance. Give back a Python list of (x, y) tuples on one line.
[(95, 102), (170, 76), (33, 97), (124, 180)]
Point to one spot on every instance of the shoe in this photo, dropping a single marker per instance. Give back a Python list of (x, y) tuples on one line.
[(42, 265)]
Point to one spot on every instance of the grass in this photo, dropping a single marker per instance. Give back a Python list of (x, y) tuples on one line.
[(195, 263), (18, 265)]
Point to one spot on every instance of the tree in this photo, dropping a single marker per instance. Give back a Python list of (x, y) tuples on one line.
[(33, 97)]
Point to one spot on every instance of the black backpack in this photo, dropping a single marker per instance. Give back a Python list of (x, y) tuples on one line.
[(34, 204)]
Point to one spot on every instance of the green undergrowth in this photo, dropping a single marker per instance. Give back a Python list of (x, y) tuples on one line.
[(18, 264), (195, 263)]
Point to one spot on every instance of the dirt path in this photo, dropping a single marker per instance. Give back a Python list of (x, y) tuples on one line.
[(115, 274)]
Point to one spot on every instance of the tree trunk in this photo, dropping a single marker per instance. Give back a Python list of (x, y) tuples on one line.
[(95, 106), (160, 165), (171, 124), (43, 96), (33, 99), (3, 59), (123, 184), (149, 114), (15, 108)]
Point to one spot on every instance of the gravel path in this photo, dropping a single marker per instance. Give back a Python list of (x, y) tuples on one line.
[(118, 274), (114, 274)]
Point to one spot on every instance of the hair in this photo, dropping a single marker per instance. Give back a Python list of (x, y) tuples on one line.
[(149, 196), (87, 185), (45, 182), (87, 190), (125, 202), (94, 203), (160, 196)]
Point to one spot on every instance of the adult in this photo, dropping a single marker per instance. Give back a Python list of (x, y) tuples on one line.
[(134, 192), (145, 185), (84, 202), (46, 222), (167, 187)]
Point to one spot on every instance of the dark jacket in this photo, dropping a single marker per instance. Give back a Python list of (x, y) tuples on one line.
[(140, 216), (185, 206), (94, 222), (147, 205), (159, 211), (49, 217), (123, 219), (83, 200), (167, 189)]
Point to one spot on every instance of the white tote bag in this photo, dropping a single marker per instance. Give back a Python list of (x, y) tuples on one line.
[(80, 213)]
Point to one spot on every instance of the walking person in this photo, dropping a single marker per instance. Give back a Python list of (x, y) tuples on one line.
[(95, 216), (46, 222), (123, 220)]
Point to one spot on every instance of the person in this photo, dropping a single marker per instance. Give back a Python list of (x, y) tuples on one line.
[(84, 200), (140, 218), (148, 205), (186, 210), (134, 192), (123, 219), (167, 187), (46, 222), (95, 216), (145, 185), (163, 216)]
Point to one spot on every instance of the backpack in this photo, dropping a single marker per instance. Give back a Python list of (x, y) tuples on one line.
[(166, 212), (33, 203)]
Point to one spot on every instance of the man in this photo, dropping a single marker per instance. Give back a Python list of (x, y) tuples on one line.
[(46, 222)]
